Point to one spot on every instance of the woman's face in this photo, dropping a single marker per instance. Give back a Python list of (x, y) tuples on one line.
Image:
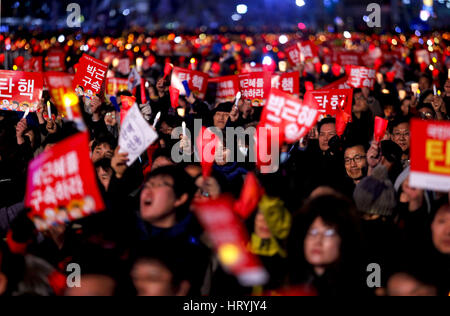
[(322, 244), (441, 230), (261, 228)]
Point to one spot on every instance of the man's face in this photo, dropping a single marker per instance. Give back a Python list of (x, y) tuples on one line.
[(402, 284), (102, 151), (360, 103), (441, 230), (158, 202), (220, 119), (327, 132), (93, 285), (400, 136), (424, 84), (104, 176), (426, 114), (355, 162), (151, 278)]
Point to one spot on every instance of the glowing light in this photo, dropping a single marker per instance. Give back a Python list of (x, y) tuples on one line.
[(347, 35), (300, 3), (177, 40), (70, 99), (236, 17), (301, 26), (394, 42), (431, 67), (115, 62), (241, 9), (126, 12), (15, 67), (267, 60), (424, 15), (325, 68), (61, 38), (228, 254), (282, 65), (430, 42), (283, 39)]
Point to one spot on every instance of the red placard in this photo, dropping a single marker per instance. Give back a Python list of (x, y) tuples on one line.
[(34, 64), (331, 101), (423, 56), (127, 104), (227, 88), (309, 51), (349, 59), (287, 82), (288, 113), (230, 239), (62, 185), (430, 155), (294, 54), (361, 77), (338, 84), (61, 91), (90, 75), (198, 81), (20, 90), (115, 85), (256, 87), (55, 60)]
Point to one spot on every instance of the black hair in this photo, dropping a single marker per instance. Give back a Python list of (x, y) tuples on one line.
[(396, 122), (182, 182), (104, 139), (12, 266), (104, 163), (327, 120)]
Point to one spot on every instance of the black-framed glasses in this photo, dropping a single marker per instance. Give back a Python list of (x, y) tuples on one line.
[(356, 159)]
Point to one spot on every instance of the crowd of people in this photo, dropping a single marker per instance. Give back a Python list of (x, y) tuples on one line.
[(335, 206)]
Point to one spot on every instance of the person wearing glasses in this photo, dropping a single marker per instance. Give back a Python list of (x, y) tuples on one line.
[(355, 160), (399, 130)]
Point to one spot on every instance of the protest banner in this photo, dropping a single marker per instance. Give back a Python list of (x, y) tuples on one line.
[(55, 60), (136, 135), (430, 155), (293, 117), (197, 81), (361, 77), (91, 74), (34, 64), (255, 87), (287, 82), (63, 96), (338, 84), (115, 85), (20, 90), (230, 238), (227, 88), (62, 184), (330, 101)]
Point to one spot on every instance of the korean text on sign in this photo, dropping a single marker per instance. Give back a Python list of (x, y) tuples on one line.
[(292, 116), (197, 81), (361, 77), (90, 75), (330, 101), (19, 90), (430, 155), (62, 185), (255, 86)]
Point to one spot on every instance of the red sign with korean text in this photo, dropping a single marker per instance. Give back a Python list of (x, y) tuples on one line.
[(361, 77), (197, 81), (62, 184), (349, 58), (256, 87), (338, 84), (34, 64), (331, 101), (55, 61), (430, 155), (115, 85), (309, 51), (287, 82), (60, 88), (294, 117), (230, 238), (227, 88), (294, 54), (20, 90), (90, 75)]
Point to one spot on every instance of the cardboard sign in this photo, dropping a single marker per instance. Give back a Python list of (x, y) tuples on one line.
[(294, 55), (349, 59), (287, 82), (290, 115), (91, 74), (115, 85), (430, 155), (136, 135), (62, 184), (63, 96), (330, 101), (198, 81), (227, 88), (34, 64), (20, 90), (229, 238), (361, 77), (256, 87), (55, 61)]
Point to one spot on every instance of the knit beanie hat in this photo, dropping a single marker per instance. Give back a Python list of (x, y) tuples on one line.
[(376, 194)]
